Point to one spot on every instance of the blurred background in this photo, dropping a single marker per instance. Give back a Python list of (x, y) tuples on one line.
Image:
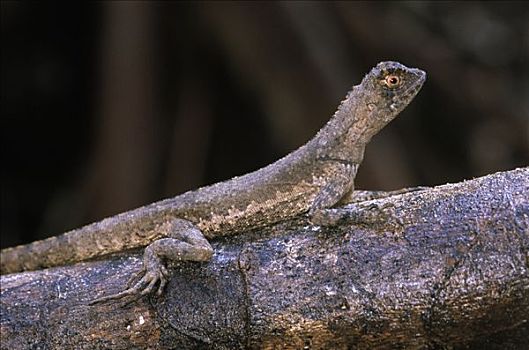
[(108, 106)]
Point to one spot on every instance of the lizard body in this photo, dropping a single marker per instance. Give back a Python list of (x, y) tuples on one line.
[(315, 177)]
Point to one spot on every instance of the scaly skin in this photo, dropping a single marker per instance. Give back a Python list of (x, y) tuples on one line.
[(313, 178)]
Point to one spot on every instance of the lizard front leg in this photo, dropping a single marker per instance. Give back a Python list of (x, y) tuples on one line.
[(331, 194), (340, 191), (184, 242), (358, 212)]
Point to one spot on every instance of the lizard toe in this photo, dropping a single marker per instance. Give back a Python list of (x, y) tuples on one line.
[(161, 287), (148, 289), (135, 278)]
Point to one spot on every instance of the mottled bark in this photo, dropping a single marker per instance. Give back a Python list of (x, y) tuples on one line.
[(442, 268)]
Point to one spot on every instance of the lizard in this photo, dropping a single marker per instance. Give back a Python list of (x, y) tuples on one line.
[(312, 179)]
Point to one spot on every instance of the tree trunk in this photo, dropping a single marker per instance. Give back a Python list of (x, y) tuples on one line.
[(446, 267)]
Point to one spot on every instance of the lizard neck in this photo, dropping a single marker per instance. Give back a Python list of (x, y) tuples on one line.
[(346, 134)]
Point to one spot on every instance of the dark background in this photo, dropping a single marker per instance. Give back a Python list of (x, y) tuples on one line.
[(112, 105)]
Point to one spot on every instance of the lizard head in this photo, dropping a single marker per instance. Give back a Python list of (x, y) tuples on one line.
[(383, 93), (387, 90)]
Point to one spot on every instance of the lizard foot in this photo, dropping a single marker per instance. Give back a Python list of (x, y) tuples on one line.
[(370, 214), (143, 282), (326, 217)]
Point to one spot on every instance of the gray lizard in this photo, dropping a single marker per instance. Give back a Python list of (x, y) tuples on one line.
[(315, 177)]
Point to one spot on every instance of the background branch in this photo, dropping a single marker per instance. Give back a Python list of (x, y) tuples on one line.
[(445, 267)]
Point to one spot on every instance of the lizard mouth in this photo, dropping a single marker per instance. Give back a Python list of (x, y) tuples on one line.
[(417, 85), (421, 77)]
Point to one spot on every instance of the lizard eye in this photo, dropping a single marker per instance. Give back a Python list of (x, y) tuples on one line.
[(392, 81)]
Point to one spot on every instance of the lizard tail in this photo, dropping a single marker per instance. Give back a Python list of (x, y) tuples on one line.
[(85, 243), (40, 254)]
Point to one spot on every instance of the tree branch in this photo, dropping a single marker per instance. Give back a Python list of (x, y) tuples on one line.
[(445, 267)]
